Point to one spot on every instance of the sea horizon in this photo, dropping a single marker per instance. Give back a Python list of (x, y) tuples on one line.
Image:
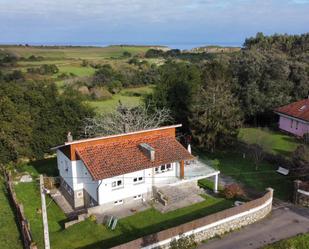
[(181, 46)]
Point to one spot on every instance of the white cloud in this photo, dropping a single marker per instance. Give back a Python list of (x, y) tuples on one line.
[(118, 18)]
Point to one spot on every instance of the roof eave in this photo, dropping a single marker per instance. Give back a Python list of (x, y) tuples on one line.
[(291, 116)]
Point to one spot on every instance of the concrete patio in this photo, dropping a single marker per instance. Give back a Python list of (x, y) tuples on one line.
[(179, 196), (194, 171)]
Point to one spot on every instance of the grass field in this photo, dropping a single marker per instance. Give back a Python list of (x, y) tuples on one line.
[(76, 70), (298, 242), (242, 169), (129, 97), (69, 60), (98, 236), (272, 141), (9, 233), (90, 53)]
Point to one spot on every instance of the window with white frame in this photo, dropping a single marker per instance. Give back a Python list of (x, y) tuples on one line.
[(163, 168), (117, 184), (139, 179), (296, 125), (119, 202)]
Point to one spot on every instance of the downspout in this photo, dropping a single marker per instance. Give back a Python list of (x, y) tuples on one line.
[(98, 191)]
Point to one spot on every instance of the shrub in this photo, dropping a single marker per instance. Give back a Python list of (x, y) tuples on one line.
[(100, 93), (233, 191), (92, 218), (44, 69), (35, 58), (63, 76), (126, 54), (208, 184), (215, 163), (84, 90), (114, 86), (84, 63)]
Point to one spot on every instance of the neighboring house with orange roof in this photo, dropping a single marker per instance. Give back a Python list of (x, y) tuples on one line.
[(123, 168), (294, 118)]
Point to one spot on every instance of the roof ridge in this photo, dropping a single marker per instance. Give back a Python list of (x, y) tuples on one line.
[(128, 141), (116, 135), (122, 134)]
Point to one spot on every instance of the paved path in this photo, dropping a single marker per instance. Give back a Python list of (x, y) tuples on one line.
[(285, 221), (62, 203)]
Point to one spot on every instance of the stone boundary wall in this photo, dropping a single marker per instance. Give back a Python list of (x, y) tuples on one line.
[(24, 226), (209, 226)]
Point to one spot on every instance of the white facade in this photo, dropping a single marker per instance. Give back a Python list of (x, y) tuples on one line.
[(137, 184), (118, 189), (76, 175)]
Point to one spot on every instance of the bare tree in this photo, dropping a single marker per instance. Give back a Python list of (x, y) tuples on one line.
[(124, 120), (257, 154), (260, 146)]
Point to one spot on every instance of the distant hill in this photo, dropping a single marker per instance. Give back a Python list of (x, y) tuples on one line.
[(214, 49)]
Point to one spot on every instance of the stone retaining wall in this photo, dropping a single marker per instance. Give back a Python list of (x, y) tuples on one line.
[(208, 226)]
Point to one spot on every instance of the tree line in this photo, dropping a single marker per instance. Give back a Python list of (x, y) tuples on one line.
[(35, 117), (213, 98)]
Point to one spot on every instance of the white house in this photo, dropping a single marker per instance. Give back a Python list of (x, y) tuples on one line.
[(116, 169)]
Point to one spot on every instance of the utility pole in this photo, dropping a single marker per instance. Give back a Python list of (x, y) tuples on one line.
[(44, 213)]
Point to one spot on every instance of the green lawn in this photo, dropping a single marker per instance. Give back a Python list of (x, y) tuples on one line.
[(242, 169), (272, 141), (9, 233), (76, 69), (130, 97), (298, 242), (96, 235)]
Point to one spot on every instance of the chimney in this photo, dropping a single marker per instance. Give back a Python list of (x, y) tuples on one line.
[(69, 137), (148, 151), (126, 128)]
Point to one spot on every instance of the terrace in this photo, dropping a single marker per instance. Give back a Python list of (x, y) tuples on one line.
[(194, 171)]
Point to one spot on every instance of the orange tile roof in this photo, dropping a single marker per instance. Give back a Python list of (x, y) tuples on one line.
[(111, 159), (299, 109)]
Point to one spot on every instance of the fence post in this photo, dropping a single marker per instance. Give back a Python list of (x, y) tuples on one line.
[(44, 213), (297, 184)]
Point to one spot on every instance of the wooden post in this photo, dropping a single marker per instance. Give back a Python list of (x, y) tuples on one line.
[(182, 169), (44, 214), (297, 184)]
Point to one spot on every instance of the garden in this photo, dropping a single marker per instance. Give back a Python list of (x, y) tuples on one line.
[(239, 165), (97, 235)]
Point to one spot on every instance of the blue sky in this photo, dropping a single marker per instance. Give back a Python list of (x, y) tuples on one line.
[(148, 21)]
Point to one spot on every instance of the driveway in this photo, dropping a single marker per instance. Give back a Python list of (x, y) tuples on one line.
[(286, 220)]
